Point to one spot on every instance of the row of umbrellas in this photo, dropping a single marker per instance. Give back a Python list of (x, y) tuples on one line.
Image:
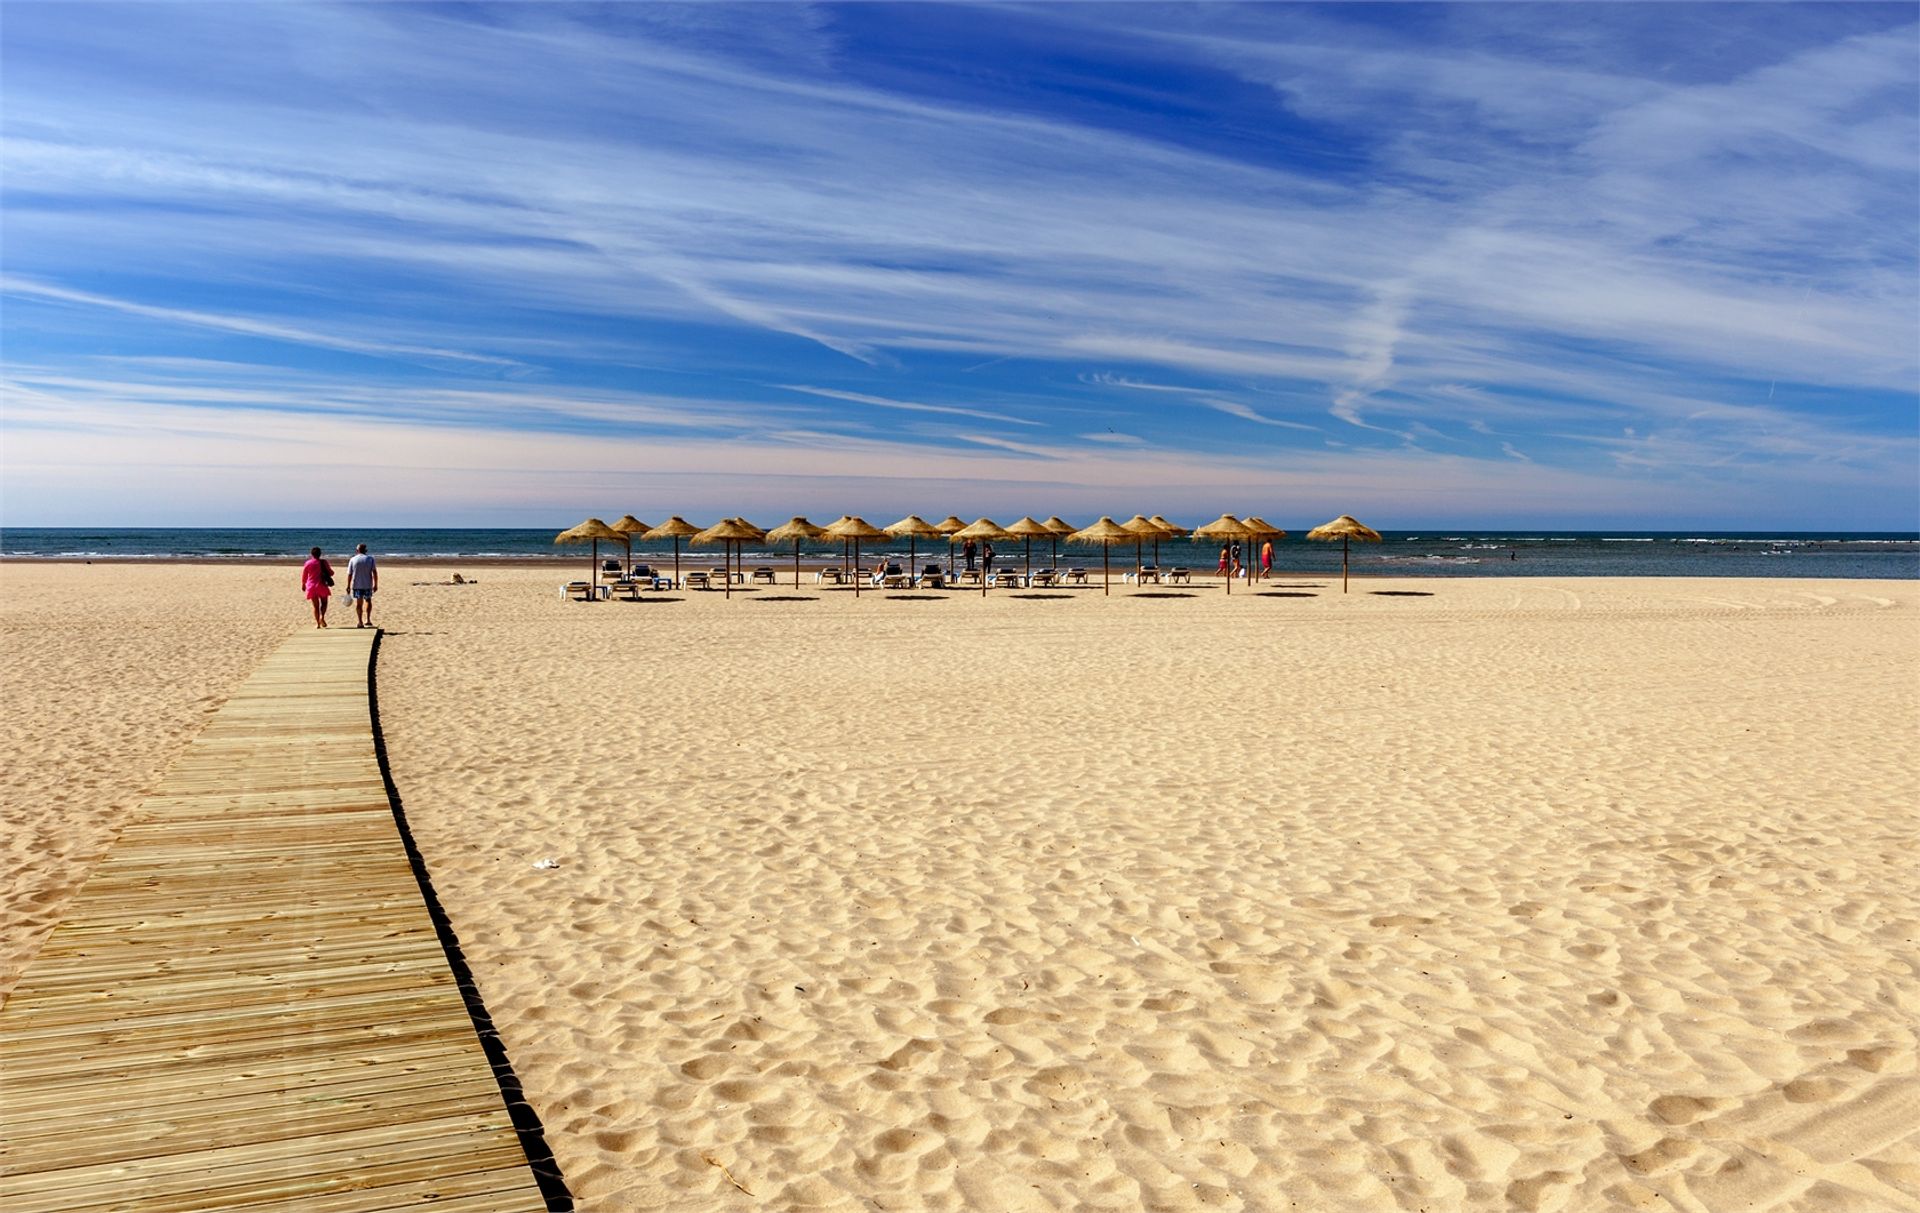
[(731, 533)]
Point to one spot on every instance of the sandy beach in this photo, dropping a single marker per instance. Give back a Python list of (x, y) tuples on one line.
[(1444, 894)]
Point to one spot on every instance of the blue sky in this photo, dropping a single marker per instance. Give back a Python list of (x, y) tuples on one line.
[(1607, 265)]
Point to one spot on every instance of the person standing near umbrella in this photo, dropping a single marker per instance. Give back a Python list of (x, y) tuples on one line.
[(967, 553), (986, 560), (1230, 531), (985, 531), (316, 582)]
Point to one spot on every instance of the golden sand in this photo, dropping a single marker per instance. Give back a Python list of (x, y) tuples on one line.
[(1477, 894)]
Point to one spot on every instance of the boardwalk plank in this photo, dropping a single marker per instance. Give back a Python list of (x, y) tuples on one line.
[(247, 1006)]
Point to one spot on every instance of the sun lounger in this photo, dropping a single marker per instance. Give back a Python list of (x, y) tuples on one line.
[(933, 577), (1008, 578), (828, 576), (763, 574), (699, 581), (1077, 576), (1181, 575), (579, 591), (1042, 577)]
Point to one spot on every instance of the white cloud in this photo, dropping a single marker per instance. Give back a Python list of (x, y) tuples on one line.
[(1552, 241)]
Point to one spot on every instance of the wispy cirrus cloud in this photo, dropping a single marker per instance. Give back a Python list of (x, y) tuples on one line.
[(11, 284), (907, 405)]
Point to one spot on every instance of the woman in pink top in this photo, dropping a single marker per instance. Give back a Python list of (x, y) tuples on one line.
[(316, 578)]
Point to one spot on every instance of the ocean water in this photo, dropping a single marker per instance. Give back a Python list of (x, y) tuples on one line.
[(1440, 553)]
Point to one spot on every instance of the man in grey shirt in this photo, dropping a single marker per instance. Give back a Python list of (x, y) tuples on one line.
[(362, 580)]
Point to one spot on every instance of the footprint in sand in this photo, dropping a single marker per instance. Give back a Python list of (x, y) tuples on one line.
[(1813, 1090), (1538, 1192), (1667, 1154), (1683, 1109), (1875, 1059)]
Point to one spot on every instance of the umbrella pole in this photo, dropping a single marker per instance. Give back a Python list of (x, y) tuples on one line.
[(1106, 568), (856, 568), (796, 564), (1344, 541), (1029, 560), (676, 562)]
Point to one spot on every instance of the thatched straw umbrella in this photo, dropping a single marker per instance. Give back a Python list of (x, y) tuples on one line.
[(1169, 530), (914, 528), (1142, 528), (949, 527), (1224, 527), (1106, 533), (1026, 529), (1346, 530), (629, 526), (1262, 530), (796, 529), (730, 532), (846, 545), (759, 536), (855, 529), (591, 531), (675, 528), (986, 530), (1061, 528)]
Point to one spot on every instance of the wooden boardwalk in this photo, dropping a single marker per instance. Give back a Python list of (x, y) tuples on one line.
[(247, 1006)]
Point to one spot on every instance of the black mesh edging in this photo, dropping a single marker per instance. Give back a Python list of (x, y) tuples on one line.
[(526, 1122)]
